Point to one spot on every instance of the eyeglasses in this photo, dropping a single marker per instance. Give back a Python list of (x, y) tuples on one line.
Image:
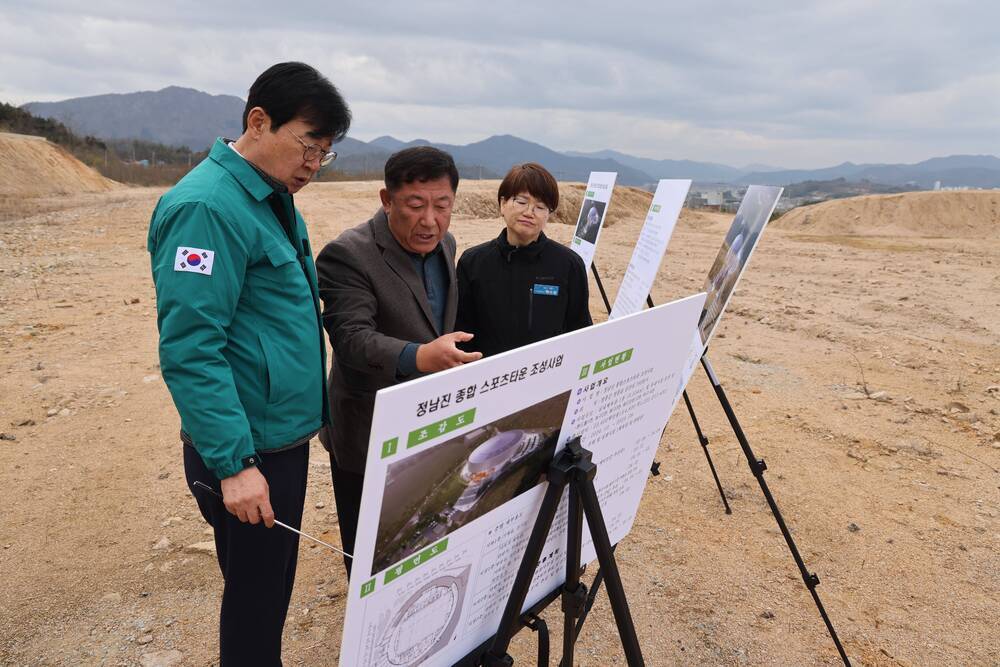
[(539, 210), (312, 151)]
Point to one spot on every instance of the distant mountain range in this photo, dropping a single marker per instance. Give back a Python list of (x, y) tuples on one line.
[(187, 117), (698, 171), (493, 157), (173, 116), (980, 171)]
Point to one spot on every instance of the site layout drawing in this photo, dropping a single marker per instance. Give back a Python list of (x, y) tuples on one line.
[(456, 473), (652, 243), (593, 211)]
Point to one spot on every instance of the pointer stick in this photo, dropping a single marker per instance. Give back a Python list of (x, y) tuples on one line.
[(202, 485)]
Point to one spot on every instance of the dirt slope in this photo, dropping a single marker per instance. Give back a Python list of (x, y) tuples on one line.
[(961, 214), (478, 199), (33, 166)]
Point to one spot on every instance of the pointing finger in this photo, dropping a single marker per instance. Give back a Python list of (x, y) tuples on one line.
[(466, 357)]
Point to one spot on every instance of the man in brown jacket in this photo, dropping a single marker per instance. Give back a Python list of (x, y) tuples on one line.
[(389, 305)]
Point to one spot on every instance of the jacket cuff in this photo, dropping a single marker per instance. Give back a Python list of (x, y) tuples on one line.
[(407, 363), (227, 461)]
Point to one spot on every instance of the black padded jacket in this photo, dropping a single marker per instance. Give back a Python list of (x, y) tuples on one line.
[(509, 296)]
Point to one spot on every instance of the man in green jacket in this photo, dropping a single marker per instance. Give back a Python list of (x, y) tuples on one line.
[(241, 341)]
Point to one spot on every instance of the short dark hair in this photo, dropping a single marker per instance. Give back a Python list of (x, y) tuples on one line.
[(295, 90), (419, 163), (532, 178)]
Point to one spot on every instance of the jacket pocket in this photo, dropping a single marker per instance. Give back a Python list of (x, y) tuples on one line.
[(546, 307), (272, 386), (279, 265)]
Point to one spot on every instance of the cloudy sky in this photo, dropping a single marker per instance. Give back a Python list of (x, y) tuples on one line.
[(795, 84)]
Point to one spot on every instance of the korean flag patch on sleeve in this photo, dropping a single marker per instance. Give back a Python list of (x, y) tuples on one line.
[(195, 260)]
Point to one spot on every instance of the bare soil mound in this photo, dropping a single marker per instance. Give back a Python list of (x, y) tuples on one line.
[(969, 214), (478, 199), (34, 167)]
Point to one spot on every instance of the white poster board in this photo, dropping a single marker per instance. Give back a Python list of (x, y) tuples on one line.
[(648, 253), (453, 479), (593, 210), (741, 240)]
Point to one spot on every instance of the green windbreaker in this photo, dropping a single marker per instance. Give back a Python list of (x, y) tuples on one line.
[(241, 340)]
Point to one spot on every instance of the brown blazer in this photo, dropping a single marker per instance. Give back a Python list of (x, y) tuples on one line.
[(374, 303)]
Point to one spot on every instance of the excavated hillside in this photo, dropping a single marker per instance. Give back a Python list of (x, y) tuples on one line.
[(35, 167), (961, 214), (478, 199)]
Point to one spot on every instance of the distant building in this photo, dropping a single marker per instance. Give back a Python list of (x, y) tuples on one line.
[(711, 200)]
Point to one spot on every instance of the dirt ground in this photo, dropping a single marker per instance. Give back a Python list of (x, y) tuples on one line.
[(866, 371)]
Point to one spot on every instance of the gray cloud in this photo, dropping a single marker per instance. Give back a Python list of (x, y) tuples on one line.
[(797, 85)]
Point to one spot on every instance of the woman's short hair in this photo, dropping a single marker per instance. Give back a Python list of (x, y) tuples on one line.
[(532, 178)]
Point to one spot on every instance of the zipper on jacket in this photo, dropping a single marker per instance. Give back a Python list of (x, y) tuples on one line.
[(531, 303), (291, 230)]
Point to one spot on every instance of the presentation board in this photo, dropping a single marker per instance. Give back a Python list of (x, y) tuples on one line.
[(455, 477), (648, 252), (593, 210), (755, 210)]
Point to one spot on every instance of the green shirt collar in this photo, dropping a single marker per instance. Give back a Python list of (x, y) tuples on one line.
[(242, 170)]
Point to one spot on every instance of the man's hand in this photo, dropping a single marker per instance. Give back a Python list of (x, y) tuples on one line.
[(246, 495), (441, 353)]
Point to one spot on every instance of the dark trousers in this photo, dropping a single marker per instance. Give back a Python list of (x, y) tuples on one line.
[(257, 563), (347, 494)]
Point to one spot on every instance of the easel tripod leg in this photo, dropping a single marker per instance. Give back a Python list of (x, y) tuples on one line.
[(497, 655), (606, 557), (757, 466), (600, 287), (701, 439), (574, 594), (704, 447), (595, 588)]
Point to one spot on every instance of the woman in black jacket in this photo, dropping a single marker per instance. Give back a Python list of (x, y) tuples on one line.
[(521, 287)]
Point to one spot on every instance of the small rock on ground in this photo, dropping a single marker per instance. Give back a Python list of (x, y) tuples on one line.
[(161, 658), (201, 548)]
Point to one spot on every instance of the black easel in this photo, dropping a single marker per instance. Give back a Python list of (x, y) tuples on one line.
[(757, 467), (572, 468)]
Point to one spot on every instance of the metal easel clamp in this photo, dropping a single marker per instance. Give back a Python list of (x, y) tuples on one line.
[(574, 600)]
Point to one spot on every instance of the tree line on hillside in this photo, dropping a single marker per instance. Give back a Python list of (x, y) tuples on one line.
[(127, 161), (131, 160), (839, 188)]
